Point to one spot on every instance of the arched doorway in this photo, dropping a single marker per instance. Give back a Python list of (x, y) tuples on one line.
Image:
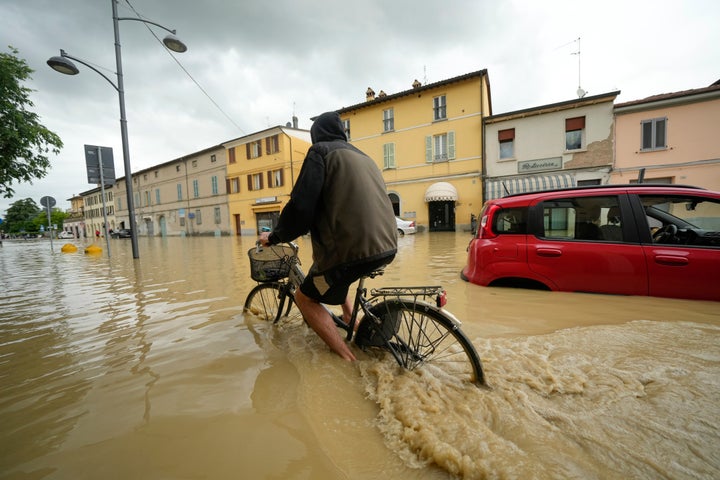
[(441, 198), (395, 200)]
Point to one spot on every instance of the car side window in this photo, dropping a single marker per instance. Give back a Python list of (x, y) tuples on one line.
[(583, 218), (511, 220), (683, 220)]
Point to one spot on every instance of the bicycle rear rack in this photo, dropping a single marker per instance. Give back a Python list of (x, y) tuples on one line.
[(435, 291)]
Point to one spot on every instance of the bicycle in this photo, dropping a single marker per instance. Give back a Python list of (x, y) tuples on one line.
[(408, 322)]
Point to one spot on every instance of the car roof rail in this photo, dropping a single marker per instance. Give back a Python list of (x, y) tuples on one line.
[(607, 186)]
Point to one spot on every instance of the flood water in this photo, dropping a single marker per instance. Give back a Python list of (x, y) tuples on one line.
[(117, 368)]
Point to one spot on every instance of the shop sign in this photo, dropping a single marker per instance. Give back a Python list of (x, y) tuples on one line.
[(540, 165)]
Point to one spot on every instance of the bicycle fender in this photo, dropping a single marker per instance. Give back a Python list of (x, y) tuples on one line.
[(429, 306)]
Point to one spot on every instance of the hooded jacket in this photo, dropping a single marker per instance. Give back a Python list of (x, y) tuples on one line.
[(340, 199)]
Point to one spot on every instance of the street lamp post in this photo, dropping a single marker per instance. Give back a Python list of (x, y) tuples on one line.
[(63, 64)]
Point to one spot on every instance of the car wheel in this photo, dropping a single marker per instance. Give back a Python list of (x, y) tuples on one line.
[(400, 232)]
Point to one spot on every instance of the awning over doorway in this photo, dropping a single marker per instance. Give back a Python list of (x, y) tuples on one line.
[(441, 192), (530, 183)]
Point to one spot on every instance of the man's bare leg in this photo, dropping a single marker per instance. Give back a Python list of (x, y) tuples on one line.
[(320, 321), (347, 310)]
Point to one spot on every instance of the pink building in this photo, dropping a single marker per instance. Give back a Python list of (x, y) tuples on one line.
[(669, 138)]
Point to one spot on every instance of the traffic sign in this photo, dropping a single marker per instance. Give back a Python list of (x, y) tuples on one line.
[(47, 202)]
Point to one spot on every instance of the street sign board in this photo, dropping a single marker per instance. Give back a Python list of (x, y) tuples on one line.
[(47, 202), (94, 155)]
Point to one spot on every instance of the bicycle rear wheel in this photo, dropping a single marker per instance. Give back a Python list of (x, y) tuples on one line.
[(267, 299), (417, 334)]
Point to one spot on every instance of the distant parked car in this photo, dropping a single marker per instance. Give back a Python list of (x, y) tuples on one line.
[(640, 239), (122, 233), (405, 226), (65, 234)]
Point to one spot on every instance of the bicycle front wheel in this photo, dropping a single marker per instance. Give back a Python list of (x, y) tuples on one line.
[(267, 299), (417, 334)]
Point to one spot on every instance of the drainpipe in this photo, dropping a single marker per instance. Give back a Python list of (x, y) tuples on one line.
[(483, 153)]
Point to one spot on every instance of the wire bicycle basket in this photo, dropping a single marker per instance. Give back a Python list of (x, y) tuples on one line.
[(271, 263)]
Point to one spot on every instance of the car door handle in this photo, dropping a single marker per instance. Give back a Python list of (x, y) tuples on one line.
[(671, 260), (549, 252)]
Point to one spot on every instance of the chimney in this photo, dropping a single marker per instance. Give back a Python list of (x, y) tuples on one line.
[(369, 94), (295, 121), (416, 84), (382, 94)]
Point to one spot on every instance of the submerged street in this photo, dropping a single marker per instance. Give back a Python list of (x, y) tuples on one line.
[(146, 369)]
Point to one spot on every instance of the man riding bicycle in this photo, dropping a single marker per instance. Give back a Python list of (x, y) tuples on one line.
[(340, 198)]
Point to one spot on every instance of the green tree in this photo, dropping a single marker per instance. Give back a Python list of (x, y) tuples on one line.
[(57, 217), (24, 141), (20, 216)]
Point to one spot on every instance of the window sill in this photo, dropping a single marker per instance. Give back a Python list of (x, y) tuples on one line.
[(437, 120)]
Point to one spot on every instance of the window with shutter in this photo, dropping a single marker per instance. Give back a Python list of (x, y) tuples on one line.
[(653, 134), (574, 133), (506, 140), (389, 155)]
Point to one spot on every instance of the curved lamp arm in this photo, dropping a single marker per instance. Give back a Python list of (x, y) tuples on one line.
[(170, 41), (133, 19), (64, 66)]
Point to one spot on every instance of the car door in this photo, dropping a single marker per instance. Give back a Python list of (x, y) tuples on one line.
[(683, 262), (570, 251)]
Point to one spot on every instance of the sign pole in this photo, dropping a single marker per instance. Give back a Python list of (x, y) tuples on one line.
[(48, 203), (102, 192), (50, 227)]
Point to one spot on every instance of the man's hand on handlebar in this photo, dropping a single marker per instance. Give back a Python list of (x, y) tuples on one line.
[(263, 239)]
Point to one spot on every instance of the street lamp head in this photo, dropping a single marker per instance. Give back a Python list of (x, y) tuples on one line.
[(63, 65), (174, 44)]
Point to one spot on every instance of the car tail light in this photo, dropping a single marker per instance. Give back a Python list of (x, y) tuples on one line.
[(441, 299), (412, 224), (485, 227)]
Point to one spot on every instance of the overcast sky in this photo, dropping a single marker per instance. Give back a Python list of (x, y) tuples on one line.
[(259, 62)]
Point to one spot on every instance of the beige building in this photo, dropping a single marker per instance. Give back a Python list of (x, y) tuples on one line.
[(92, 211), (75, 221), (261, 171), (552, 146), (428, 142), (670, 138), (185, 196)]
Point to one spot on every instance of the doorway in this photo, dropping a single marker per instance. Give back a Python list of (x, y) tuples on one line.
[(441, 216)]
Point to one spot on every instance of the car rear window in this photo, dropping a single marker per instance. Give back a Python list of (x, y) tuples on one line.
[(582, 218), (511, 220)]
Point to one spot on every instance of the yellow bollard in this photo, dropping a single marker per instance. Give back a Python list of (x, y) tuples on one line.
[(69, 248), (93, 250)]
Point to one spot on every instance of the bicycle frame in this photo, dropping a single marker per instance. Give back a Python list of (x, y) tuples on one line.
[(408, 322)]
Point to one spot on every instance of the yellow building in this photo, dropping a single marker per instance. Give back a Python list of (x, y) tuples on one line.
[(261, 171), (428, 142)]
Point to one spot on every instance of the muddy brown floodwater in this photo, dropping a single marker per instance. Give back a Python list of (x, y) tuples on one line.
[(117, 368)]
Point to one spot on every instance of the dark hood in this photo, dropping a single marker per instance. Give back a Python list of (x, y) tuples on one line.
[(327, 127)]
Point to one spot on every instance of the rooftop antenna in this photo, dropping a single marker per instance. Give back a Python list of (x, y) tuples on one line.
[(424, 74), (580, 92)]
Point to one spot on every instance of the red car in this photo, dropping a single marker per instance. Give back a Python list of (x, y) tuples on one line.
[(639, 239)]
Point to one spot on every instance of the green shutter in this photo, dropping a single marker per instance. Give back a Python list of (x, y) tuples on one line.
[(428, 150), (389, 155), (451, 145)]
